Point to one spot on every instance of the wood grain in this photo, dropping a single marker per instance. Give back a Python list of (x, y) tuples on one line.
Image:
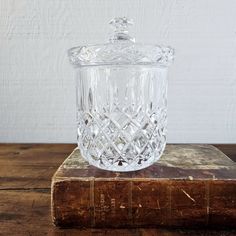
[(25, 206), (30, 165)]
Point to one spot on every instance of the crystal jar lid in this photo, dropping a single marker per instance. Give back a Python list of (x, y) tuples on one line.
[(121, 50)]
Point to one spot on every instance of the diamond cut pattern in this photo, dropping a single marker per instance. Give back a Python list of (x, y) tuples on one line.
[(121, 53), (122, 140)]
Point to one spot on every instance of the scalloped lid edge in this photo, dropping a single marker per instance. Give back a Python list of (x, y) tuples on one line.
[(121, 50)]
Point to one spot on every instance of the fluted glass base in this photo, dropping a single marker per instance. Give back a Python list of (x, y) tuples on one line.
[(121, 116)]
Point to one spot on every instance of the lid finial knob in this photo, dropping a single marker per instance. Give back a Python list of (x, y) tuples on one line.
[(120, 26)]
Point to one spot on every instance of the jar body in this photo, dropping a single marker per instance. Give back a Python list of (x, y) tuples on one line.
[(121, 115)]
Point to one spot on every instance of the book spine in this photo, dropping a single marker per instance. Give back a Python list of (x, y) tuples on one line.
[(138, 203)]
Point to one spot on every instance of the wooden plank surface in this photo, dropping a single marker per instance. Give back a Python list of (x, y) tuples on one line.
[(25, 178), (30, 165)]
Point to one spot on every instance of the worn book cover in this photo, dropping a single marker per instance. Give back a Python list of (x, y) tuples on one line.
[(190, 186)]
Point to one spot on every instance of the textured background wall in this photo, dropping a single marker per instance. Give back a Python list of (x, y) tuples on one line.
[(37, 96)]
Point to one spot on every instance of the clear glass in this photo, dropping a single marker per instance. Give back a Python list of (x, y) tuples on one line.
[(121, 100), (121, 115)]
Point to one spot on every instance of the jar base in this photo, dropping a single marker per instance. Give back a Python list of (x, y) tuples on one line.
[(131, 167), (122, 169)]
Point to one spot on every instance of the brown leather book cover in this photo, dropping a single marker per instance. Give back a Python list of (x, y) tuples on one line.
[(190, 186)]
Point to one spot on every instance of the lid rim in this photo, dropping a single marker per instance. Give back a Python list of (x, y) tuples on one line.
[(121, 53), (122, 64)]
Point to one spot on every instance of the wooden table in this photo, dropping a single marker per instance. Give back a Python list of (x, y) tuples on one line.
[(25, 179)]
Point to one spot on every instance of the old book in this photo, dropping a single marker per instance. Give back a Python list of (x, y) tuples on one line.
[(190, 186)]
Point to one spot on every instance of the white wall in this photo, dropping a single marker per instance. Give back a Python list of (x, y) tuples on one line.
[(37, 97)]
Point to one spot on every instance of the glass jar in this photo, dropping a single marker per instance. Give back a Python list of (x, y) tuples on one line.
[(121, 100)]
